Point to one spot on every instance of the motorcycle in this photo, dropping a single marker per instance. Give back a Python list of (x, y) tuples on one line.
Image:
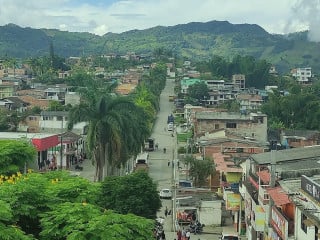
[(196, 227)]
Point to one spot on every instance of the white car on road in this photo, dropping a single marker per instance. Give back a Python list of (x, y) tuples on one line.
[(229, 236), (165, 193)]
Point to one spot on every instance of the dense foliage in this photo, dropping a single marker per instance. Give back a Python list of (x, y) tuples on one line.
[(297, 110), (256, 71), (14, 155), (56, 205), (134, 193)]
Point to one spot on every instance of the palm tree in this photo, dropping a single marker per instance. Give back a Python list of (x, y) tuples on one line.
[(111, 138)]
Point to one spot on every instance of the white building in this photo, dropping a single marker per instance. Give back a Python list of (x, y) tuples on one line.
[(57, 122), (303, 75)]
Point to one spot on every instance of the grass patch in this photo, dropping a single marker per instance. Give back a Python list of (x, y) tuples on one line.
[(183, 137)]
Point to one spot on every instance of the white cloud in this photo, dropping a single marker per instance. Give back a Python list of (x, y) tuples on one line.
[(273, 15)]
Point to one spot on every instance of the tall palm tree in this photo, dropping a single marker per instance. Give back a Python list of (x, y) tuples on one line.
[(111, 138)]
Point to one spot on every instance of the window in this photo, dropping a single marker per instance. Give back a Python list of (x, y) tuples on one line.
[(231, 125), (59, 118), (45, 118), (216, 126)]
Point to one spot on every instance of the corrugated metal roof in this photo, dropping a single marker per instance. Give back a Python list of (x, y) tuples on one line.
[(287, 155)]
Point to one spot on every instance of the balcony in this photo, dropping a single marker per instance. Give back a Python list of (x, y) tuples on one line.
[(252, 191)]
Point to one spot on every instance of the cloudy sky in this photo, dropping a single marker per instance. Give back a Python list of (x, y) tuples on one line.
[(102, 16)]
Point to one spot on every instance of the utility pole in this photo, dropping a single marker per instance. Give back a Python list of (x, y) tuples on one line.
[(61, 145)]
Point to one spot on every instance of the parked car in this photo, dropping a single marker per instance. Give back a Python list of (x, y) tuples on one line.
[(165, 193), (229, 236)]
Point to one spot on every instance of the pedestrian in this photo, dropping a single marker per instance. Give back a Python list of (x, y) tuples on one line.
[(168, 163), (166, 212), (164, 150), (183, 234), (157, 146), (188, 234), (179, 235), (163, 236)]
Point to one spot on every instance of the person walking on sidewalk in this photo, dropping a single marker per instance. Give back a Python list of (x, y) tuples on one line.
[(168, 163)]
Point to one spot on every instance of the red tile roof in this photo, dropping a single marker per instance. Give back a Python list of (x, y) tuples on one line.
[(224, 166), (278, 195)]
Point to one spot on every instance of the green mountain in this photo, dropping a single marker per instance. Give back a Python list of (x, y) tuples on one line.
[(193, 41)]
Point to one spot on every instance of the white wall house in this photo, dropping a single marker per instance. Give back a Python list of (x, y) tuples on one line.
[(57, 122), (303, 75)]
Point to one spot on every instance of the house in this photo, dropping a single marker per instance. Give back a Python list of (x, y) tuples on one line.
[(57, 122), (30, 124), (239, 80), (7, 89), (260, 189), (73, 149), (302, 75), (55, 93), (227, 153), (43, 104), (304, 193), (15, 104), (252, 126), (291, 138), (249, 102), (131, 76)]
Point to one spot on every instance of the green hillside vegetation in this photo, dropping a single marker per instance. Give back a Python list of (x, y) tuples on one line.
[(195, 41)]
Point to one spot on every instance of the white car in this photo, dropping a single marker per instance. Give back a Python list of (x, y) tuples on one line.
[(229, 236), (165, 193)]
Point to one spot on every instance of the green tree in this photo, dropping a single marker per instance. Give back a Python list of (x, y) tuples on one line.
[(14, 155), (134, 193), (34, 194), (76, 221), (109, 118), (8, 229), (199, 170), (198, 92)]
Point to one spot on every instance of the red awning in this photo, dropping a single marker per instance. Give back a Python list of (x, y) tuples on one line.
[(44, 143)]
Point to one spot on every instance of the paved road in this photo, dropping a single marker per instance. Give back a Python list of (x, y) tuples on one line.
[(159, 170)]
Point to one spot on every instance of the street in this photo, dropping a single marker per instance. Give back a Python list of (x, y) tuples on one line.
[(159, 170)]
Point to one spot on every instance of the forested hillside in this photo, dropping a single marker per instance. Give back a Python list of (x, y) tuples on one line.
[(197, 41)]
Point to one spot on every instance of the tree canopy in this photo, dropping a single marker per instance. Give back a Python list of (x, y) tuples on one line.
[(134, 193), (14, 155), (56, 205)]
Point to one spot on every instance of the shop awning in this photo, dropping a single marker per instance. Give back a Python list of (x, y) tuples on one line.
[(45, 143)]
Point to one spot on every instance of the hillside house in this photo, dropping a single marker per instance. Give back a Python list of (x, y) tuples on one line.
[(239, 80), (302, 75), (249, 102)]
